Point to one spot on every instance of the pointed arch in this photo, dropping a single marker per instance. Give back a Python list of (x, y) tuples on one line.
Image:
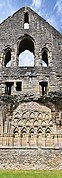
[(44, 57), (48, 137), (23, 136), (39, 136), (48, 130), (32, 115), (7, 57), (23, 130), (31, 130), (15, 131), (36, 122), (16, 137), (26, 51), (24, 115), (31, 137), (39, 130), (43, 123), (51, 123)]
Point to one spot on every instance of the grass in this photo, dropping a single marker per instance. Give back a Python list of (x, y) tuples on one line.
[(30, 174)]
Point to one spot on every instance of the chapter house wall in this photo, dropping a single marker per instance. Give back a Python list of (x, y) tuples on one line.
[(30, 125)]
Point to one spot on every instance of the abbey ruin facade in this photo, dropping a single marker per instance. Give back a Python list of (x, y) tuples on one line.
[(30, 93)]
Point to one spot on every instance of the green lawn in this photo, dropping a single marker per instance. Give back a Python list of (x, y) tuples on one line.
[(30, 174)]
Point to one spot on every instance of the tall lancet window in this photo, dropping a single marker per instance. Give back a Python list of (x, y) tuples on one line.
[(26, 20)]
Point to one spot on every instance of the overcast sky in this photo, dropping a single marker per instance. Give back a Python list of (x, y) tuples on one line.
[(51, 10)]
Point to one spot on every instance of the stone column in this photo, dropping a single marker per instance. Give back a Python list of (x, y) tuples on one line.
[(55, 140), (1, 60), (27, 137), (37, 57), (10, 140), (43, 140), (13, 89), (35, 137), (14, 56)]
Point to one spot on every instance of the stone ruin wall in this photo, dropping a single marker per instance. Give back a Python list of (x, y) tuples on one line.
[(30, 124), (30, 136)]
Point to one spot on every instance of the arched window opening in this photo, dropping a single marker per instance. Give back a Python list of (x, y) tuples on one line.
[(16, 135), (8, 59), (39, 137), (48, 137), (44, 58), (26, 20), (26, 53), (31, 137), (23, 136)]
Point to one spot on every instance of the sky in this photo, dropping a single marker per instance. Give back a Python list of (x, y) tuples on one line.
[(26, 58), (50, 10)]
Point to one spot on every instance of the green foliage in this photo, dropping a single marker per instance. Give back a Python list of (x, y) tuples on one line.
[(30, 174)]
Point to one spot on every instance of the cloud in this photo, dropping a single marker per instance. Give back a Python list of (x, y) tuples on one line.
[(58, 7), (10, 7), (41, 8), (6, 9), (53, 21), (52, 12), (36, 4)]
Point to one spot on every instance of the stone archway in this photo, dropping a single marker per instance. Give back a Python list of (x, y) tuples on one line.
[(26, 116)]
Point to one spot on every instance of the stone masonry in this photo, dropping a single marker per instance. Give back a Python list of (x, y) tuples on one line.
[(30, 96)]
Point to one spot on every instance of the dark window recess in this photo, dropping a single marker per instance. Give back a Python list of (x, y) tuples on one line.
[(43, 87), (45, 58), (8, 87), (26, 18), (18, 86), (26, 21), (8, 59)]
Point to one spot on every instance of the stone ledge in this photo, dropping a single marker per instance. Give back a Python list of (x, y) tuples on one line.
[(31, 148)]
